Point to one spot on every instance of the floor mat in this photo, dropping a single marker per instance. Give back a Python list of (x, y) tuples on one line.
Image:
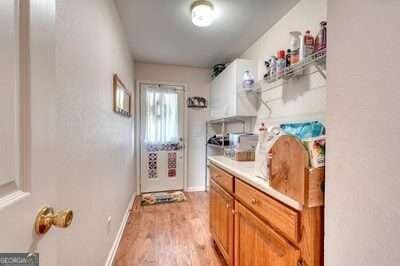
[(162, 197)]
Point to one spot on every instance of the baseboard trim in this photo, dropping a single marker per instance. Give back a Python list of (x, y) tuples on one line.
[(194, 189), (114, 248)]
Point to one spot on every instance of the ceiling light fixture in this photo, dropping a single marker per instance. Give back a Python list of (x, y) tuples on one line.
[(202, 13)]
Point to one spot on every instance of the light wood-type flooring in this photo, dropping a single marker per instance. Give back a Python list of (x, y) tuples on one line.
[(169, 234)]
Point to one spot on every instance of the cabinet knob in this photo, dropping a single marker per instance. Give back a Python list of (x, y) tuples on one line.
[(253, 201), (227, 206)]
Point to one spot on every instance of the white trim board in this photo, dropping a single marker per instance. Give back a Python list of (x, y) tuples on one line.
[(195, 189), (114, 247)]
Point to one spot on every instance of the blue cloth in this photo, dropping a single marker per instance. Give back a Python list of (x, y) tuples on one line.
[(304, 130)]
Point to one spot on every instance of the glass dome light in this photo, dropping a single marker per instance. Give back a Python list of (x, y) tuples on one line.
[(202, 13)]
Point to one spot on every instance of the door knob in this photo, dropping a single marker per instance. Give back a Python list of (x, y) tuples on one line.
[(47, 217)]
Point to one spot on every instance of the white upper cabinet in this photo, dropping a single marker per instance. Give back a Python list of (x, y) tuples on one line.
[(228, 98)]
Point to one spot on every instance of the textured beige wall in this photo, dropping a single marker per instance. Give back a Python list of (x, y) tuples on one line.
[(198, 82), (94, 145), (362, 190)]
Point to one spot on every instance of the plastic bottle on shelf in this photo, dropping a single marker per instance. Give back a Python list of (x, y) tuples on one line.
[(261, 154), (267, 65), (288, 51), (308, 44), (280, 64), (272, 71), (295, 47), (321, 39)]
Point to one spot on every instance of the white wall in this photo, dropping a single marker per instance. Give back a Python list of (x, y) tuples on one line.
[(96, 160), (198, 82), (302, 99), (362, 190)]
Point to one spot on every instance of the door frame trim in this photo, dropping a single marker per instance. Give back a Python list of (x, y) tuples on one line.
[(138, 130)]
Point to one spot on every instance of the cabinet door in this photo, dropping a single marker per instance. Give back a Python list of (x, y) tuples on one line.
[(222, 94), (257, 244), (221, 221)]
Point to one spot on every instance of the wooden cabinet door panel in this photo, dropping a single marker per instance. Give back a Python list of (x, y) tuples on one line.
[(282, 218), (221, 221), (257, 244), (222, 178)]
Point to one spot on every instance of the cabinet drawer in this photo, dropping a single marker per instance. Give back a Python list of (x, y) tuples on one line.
[(280, 217), (222, 178)]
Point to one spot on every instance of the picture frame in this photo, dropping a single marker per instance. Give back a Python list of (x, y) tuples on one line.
[(197, 102), (122, 98)]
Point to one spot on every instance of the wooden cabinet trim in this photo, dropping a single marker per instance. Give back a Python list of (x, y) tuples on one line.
[(222, 178), (228, 205), (279, 216), (289, 252)]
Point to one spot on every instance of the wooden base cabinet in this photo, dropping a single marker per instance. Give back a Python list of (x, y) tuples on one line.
[(257, 244), (250, 228), (221, 221)]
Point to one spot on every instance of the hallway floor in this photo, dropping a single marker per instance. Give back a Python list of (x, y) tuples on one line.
[(169, 234)]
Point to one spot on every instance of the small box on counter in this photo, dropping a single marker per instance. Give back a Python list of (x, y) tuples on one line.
[(239, 155), (242, 146), (243, 141)]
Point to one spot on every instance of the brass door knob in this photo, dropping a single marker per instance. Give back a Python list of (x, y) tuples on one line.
[(47, 217)]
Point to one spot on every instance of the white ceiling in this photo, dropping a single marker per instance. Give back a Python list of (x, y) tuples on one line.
[(161, 31)]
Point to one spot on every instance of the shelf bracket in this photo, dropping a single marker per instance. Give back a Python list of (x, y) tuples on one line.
[(320, 70)]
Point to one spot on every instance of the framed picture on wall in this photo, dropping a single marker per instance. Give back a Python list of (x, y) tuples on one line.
[(122, 97)]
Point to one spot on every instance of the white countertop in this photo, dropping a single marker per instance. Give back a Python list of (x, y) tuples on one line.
[(245, 172)]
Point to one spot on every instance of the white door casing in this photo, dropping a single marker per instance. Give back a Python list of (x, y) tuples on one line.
[(162, 181), (27, 79)]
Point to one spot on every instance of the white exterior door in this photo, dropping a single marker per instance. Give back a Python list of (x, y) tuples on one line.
[(162, 135), (28, 176)]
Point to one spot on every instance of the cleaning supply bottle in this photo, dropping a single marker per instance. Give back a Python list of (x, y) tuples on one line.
[(261, 154), (280, 64), (288, 51), (248, 80), (321, 39), (272, 66), (295, 47), (308, 44), (267, 68)]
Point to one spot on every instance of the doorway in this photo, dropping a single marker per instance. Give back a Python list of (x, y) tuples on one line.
[(162, 137)]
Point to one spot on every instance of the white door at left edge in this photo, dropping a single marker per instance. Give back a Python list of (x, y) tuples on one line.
[(162, 134), (28, 177)]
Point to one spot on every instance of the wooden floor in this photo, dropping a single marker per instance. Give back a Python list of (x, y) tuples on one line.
[(169, 234)]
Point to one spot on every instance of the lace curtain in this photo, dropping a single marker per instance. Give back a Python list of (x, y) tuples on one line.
[(161, 116)]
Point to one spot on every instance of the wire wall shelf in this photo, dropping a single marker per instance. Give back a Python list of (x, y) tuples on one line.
[(318, 60)]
